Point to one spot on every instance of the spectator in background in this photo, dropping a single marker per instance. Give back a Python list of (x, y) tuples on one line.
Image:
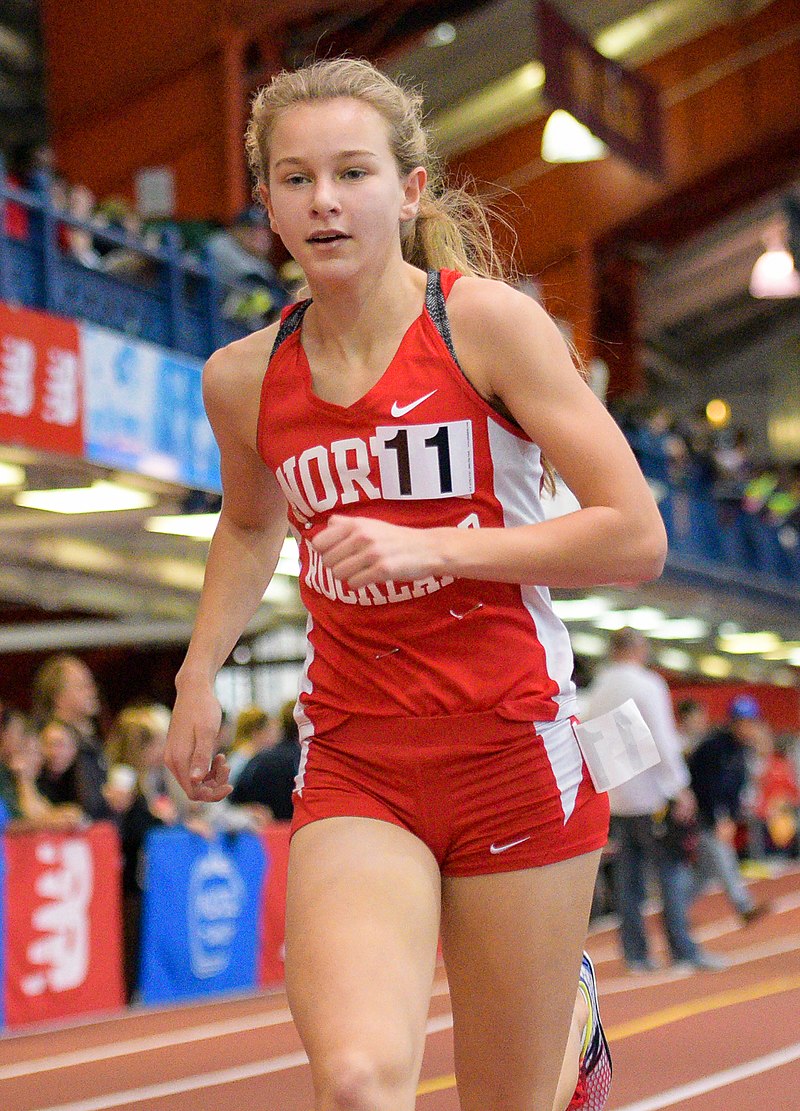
[(240, 258), (20, 763), (734, 470), (138, 792), (64, 688), (68, 771), (719, 768), (640, 807), (777, 800), (255, 730), (268, 777), (692, 721)]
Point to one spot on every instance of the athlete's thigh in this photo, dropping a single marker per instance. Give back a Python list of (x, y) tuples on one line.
[(362, 922), (512, 946)]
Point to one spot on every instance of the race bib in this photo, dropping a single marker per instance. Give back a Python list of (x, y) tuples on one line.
[(424, 461), (617, 746)]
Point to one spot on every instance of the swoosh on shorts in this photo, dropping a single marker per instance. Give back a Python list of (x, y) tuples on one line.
[(494, 849)]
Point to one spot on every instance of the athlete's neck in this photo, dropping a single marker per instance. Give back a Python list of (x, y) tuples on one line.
[(350, 320)]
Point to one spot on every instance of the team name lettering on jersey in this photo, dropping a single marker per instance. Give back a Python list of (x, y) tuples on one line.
[(416, 462), (323, 581)]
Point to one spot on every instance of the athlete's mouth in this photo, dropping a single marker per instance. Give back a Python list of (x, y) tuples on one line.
[(329, 236)]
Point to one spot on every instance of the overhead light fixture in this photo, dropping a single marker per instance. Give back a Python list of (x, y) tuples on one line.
[(100, 497), (675, 660), (747, 644), (11, 476), (581, 609), (680, 628), (718, 412), (642, 619), (197, 526), (588, 644), (774, 273), (201, 526), (565, 139), (441, 35), (715, 667)]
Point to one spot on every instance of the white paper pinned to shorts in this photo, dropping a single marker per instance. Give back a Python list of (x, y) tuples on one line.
[(616, 746)]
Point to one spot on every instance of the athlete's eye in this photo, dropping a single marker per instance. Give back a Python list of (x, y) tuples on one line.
[(354, 174), (296, 179)]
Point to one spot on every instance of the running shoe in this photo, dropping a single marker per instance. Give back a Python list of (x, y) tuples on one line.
[(594, 1072)]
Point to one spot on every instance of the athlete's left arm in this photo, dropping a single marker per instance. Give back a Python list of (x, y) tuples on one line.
[(511, 349)]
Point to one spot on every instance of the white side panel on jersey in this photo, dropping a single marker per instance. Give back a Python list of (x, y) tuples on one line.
[(304, 724), (517, 479)]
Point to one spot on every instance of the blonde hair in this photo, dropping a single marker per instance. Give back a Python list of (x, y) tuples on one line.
[(134, 729), (451, 229), (250, 720)]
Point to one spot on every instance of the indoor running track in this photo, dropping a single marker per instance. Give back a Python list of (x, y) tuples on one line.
[(724, 1041)]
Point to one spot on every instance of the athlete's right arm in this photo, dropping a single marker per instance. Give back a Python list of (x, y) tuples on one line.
[(241, 560)]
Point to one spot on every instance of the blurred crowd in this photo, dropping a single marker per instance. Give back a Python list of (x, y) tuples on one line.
[(59, 771), (118, 240), (714, 492), (721, 801)]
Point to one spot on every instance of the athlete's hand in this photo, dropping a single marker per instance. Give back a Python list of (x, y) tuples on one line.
[(191, 743), (362, 550)]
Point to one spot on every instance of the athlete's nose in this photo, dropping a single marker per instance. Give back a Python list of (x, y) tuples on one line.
[(324, 199)]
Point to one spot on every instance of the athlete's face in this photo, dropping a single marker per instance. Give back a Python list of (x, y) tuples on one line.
[(336, 197)]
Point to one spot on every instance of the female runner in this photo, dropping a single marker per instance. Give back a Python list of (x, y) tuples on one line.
[(401, 414)]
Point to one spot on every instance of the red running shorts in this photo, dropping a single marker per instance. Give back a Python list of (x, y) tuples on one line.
[(486, 794)]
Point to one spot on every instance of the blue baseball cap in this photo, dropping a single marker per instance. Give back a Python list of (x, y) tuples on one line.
[(744, 706)]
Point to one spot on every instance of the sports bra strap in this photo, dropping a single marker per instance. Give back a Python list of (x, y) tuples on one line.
[(436, 305), (291, 321)]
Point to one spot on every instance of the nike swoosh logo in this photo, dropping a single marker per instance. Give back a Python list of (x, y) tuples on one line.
[(495, 849), (401, 410)]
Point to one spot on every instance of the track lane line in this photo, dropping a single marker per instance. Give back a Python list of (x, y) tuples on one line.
[(719, 1080), (210, 1079), (665, 1017), (147, 1043)]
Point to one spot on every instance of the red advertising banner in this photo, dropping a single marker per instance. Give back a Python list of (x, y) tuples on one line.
[(273, 914), (64, 934), (41, 381)]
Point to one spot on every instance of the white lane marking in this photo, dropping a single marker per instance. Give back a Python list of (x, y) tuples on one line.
[(144, 1044), (211, 1079), (718, 1080), (187, 1084), (150, 1042)]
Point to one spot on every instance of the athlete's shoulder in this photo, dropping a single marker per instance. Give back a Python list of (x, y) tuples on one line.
[(484, 306), (240, 361), (233, 375)]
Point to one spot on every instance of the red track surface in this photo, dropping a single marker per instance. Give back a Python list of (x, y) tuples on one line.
[(725, 1041)]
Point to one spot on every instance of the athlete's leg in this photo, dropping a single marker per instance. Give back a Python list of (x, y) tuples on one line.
[(570, 1064), (361, 932), (512, 943)]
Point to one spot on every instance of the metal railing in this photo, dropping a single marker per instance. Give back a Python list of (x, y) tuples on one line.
[(167, 297)]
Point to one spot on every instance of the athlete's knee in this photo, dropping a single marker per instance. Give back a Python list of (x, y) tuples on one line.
[(363, 1081)]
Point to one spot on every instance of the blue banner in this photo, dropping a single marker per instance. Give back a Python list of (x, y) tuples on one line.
[(200, 915), (144, 410)]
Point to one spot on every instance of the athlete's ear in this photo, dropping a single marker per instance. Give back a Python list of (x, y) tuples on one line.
[(263, 192), (413, 188)]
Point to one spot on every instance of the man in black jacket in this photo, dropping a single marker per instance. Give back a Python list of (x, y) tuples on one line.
[(719, 768)]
